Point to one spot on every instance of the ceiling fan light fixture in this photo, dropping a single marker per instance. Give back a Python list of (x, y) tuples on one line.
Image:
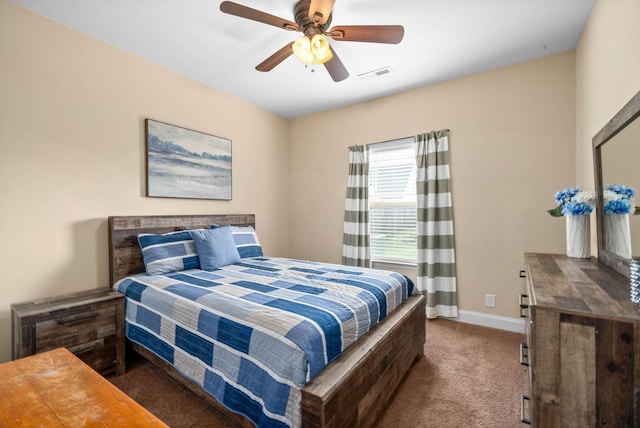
[(302, 49), (321, 49), (314, 50)]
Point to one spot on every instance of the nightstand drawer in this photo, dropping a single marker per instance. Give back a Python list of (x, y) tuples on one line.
[(100, 354), (72, 331), (88, 323)]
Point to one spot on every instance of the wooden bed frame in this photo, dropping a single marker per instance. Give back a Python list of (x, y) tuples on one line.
[(352, 391)]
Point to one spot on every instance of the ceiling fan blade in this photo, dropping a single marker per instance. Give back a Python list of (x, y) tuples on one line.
[(255, 15), (320, 10), (336, 68), (392, 34), (275, 59)]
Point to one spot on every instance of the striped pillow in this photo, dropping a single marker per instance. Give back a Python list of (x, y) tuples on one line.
[(170, 252), (246, 240)]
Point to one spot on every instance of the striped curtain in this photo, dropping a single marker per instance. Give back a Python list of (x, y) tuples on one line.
[(356, 247), (436, 253)]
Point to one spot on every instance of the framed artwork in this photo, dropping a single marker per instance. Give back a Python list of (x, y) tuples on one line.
[(182, 163)]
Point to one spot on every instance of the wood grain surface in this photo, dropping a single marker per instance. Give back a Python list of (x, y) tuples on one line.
[(125, 256), (89, 323), (56, 389), (580, 287), (584, 344)]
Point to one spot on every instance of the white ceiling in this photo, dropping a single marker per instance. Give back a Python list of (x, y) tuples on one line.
[(444, 39)]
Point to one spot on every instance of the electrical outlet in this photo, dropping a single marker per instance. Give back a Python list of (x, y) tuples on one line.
[(490, 300)]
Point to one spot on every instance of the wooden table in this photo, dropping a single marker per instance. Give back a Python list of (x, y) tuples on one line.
[(56, 389)]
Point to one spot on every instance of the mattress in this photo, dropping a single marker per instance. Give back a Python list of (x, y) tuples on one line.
[(252, 334)]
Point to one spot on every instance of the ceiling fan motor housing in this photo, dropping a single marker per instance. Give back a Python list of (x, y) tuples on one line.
[(306, 25)]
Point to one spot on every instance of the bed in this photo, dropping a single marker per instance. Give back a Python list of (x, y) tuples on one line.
[(352, 390)]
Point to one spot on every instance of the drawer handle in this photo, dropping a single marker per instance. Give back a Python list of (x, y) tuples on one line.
[(523, 305), (82, 318), (523, 356), (523, 419)]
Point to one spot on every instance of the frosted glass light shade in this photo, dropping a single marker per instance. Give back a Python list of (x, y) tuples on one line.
[(314, 50), (321, 49), (302, 49)]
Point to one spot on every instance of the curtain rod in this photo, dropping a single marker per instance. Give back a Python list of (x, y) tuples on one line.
[(396, 139)]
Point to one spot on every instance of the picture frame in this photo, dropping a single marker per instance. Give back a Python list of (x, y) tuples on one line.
[(183, 163)]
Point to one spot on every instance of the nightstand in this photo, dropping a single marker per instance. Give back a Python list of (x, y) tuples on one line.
[(88, 323)]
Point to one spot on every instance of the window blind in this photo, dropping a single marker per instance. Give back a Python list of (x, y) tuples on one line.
[(392, 201)]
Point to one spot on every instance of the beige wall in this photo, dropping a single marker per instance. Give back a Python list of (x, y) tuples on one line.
[(512, 147), (607, 76), (72, 153)]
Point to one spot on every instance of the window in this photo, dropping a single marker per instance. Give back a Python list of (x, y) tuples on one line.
[(392, 201)]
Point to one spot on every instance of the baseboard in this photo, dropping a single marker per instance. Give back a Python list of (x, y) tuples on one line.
[(515, 325)]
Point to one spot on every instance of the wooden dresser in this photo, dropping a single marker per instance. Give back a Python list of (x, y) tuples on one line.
[(583, 344), (88, 323)]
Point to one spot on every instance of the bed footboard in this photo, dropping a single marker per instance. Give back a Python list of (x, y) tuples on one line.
[(353, 391)]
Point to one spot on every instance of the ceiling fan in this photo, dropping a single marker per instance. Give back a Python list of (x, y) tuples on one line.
[(312, 18)]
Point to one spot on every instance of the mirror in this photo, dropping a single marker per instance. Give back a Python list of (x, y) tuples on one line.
[(617, 162)]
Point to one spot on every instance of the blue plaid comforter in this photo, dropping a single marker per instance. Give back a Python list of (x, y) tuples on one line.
[(254, 333)]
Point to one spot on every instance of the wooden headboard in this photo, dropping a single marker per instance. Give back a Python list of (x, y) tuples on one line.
[(125, 257)]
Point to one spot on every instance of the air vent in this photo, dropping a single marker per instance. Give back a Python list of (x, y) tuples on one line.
[(375, 73)]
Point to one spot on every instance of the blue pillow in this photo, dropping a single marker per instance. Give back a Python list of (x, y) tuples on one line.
[(246, 240), (170, 252), (216, 247)]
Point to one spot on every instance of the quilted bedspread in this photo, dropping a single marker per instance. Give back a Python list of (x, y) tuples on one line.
[(254, 333)]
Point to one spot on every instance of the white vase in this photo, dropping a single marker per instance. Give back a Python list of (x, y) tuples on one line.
[(578, 236), (617, 236)]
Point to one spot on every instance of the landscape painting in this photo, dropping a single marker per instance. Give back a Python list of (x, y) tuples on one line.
[(182, 163)]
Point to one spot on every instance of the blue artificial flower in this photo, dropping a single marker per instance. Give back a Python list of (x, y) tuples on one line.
[(620, 206), (565, 196), (576, 208), (572, 201), (617, 199), (625, 192)]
